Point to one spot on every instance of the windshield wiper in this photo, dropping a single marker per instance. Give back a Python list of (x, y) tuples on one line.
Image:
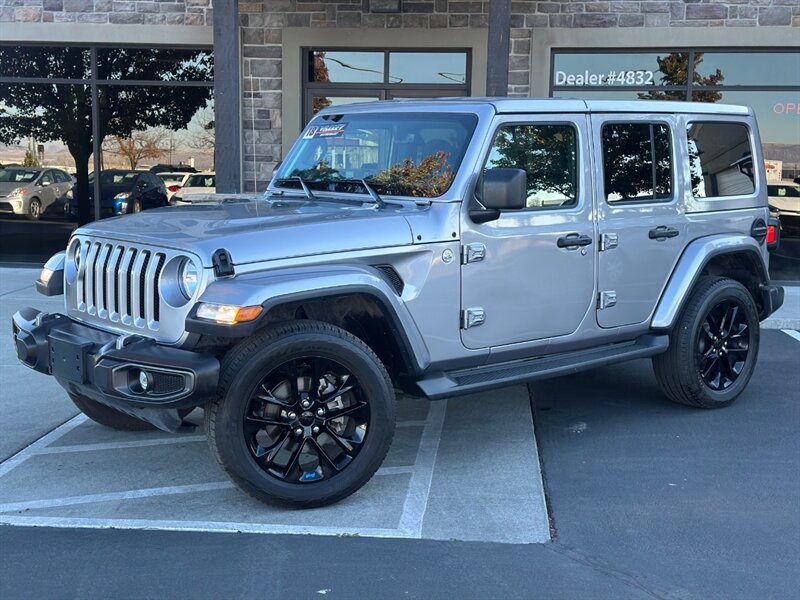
[(306, 189), (373, 194)]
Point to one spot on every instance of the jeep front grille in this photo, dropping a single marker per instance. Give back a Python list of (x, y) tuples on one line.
[(118, 283), (116, 287)]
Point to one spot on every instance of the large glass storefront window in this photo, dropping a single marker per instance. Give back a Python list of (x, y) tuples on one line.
[(335, 76), (66, 112), (767, 80)]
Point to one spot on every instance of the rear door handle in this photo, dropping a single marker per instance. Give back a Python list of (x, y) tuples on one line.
[(573, 240), (663, 232)]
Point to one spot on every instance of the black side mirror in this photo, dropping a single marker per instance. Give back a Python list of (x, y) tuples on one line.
[(500, 189)]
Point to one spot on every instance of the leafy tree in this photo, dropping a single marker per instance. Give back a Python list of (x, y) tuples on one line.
[(51, 112), (546, 153), (320, 74), (29, 160), (674, 69), (430, 177), (632, 170)]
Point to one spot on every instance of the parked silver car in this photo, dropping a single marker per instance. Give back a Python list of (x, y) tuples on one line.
[(437, 247), (784, 202), (30, 191)]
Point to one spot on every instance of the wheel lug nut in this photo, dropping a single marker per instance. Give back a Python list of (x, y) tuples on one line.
[(315, 429), (320, 412), (291, 416), (305, 404), (298, 432)]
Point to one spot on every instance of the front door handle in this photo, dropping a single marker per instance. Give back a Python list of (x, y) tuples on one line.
[(663, 232), (573, 240)]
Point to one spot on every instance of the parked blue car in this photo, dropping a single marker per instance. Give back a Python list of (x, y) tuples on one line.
[(123, 192)]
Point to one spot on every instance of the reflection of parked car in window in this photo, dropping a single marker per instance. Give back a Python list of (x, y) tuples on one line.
[(174, 182), (199, 183), (163, 168), (31, 191), (125, 191), (784, 202)]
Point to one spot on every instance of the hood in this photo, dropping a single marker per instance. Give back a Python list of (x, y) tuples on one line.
[(107, 193), (257, 230), (7, 187)]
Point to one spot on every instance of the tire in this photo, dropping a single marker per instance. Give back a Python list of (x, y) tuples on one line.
[(708, 365), (34, 209), (254, 423)]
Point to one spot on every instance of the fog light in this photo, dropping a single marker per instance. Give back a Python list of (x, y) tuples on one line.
[(145, 380), (45, 275), (227, 314)]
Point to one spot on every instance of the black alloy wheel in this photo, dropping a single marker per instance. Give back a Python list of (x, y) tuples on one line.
[(723, 345), (304, 414), (307, 420), (713, 346)]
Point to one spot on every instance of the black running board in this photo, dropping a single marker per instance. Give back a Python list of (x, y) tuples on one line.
[(438, 385)]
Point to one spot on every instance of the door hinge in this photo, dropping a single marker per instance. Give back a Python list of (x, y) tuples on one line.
[(472, 253), (608, 241), (606, 299), (472, 317)]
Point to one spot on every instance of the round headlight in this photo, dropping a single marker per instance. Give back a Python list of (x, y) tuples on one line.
[(189, 278)]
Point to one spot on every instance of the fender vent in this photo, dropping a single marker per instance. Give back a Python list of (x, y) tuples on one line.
[(392, 277)]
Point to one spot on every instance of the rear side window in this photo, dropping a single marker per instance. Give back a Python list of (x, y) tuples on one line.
[(720, 160), (549, 156), (637, 162)]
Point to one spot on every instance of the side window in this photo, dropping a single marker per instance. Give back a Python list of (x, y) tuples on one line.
[(548, 154), (720, 160), (637, 162), (62, 177), (47, 177)]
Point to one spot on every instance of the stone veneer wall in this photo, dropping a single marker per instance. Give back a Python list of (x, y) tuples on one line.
[(262, 23), (133, 12)]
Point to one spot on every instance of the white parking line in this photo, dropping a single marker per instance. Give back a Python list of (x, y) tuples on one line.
[(410, 525), (175, 439), (792, 333), (201, 526), (127, 495), (34, 449), (419, 487)]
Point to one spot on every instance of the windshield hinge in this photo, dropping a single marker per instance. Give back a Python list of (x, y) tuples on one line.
[(223, 264)]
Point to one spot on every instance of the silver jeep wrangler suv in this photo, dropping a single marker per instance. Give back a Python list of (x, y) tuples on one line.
[(435, 247)]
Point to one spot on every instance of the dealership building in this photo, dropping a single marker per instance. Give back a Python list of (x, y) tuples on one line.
[(276, 62)]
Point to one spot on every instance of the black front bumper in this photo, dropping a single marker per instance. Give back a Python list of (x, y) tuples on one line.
[(106, 367)]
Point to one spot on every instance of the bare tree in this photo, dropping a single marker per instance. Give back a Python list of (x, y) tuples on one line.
[(139, 146), (201, 132)]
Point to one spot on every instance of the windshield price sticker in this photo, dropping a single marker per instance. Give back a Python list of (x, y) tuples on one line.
[(612, 77), (324, 131)]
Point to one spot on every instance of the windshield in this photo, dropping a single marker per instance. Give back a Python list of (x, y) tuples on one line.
[(780, 191), (17, 175), (403, 154), (200, 181), (116, 177), (172, 177)]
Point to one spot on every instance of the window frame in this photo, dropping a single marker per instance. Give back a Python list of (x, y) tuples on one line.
[(579, 166), (385, 89), (673, 171), (757, 184)]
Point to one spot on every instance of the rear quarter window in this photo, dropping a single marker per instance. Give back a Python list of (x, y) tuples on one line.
[(720, 159)]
